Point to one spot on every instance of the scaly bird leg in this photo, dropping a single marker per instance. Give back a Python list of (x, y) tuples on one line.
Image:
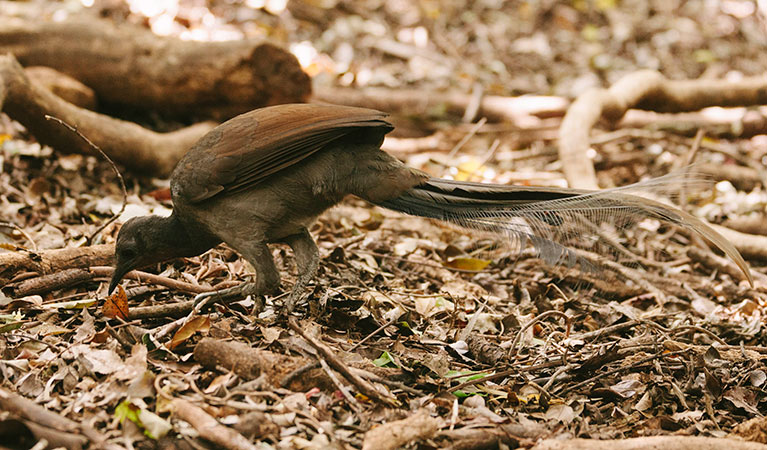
[(307, 261), (267, 276)]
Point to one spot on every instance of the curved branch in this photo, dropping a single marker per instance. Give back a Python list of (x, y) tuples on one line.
[(127, 143), (647, 90), (49, 261)]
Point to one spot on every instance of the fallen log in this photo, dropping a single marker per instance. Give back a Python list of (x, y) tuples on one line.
[(130, 66)]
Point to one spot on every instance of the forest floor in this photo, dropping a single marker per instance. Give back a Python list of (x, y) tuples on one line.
[(464, 341)]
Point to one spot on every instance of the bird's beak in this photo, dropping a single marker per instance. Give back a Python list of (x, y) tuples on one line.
[(121, 268)]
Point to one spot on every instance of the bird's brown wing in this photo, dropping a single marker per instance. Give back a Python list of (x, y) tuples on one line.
[(245, 150)]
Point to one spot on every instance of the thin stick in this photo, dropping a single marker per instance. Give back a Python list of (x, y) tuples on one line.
[(538, 318), (325, 353), (114, 167), (390, 322), (689, 158), (353, 404), (468, 136), (620, 369), (23, 233)]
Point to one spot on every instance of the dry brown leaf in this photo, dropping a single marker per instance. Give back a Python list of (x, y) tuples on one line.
[(198, 323), (116, 305)]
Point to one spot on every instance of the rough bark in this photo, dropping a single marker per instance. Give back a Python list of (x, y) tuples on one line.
[(129, 144), (127, 65), (50, 261)]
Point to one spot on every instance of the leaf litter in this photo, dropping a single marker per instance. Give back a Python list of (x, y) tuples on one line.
[(427, 312)]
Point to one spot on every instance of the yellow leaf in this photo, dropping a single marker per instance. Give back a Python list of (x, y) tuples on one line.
[(467, 263), (468, 169)]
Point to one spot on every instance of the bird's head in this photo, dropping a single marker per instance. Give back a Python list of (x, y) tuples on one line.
[(139, 244)]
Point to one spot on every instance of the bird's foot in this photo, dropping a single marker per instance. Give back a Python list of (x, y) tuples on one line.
[(293, 300), (315, 306)]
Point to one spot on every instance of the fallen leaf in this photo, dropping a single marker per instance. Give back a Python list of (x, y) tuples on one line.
[(116, 305), (198, 323), (385, 360), (428, 306), (135, 410), (270, 334), (743, 398), (627, 388), (97, 361), (475, 264), (561, 413), (757, 378)]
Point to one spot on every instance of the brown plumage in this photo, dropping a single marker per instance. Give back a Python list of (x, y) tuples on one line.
[(264, 177)]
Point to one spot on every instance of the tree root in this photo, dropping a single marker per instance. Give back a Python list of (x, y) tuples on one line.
[(127, 143), (647, 90)]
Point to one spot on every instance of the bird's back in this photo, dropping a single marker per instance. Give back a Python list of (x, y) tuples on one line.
[(246, 150)]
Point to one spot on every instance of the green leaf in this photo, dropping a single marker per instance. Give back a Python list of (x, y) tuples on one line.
[(127, 410), (154, 426), (464, 394), (10, 327), (470, 375), (74, 304), (385, 360)]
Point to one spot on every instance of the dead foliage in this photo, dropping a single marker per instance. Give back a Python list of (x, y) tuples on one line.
[(416, 335)]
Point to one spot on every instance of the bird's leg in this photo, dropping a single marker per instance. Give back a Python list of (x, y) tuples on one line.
[(307, 261), (267, 277)]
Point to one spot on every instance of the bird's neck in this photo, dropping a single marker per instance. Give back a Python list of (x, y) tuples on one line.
[(178, 241)]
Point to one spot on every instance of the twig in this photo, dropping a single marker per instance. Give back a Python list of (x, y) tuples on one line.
[(485, 158), (619, 369), (376, 331), (285, 382), (104, 271), (327, 354), (114, 167), (353, 403), (466, 138), (501, 374), (596, 334), (391, 383), (475, 101), (688, 159), (23, 233), (22, 407), (538, 318), (208, 427)]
